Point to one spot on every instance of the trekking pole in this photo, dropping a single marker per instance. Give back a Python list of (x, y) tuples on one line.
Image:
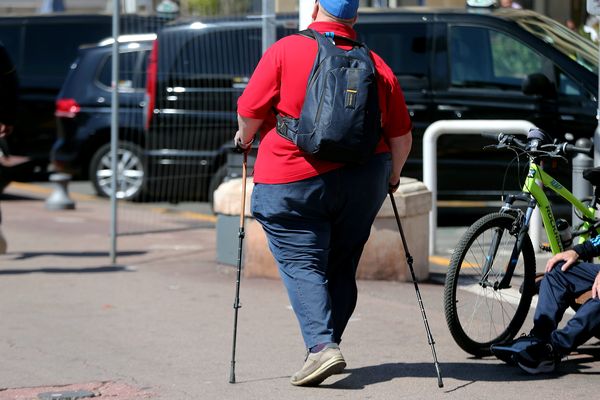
[(409, 260), (236, 302)]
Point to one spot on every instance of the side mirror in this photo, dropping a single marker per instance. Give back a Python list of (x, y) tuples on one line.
[(538, 84)]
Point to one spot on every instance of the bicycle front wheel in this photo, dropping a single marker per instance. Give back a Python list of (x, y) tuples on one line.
[(481, 307)]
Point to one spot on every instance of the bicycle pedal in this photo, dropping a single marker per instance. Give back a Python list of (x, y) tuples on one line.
[(545, 247)]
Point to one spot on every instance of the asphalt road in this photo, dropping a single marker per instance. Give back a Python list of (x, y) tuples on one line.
[(157, 323)]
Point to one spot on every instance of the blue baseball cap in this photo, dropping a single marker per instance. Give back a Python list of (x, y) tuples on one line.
[(342, 9)]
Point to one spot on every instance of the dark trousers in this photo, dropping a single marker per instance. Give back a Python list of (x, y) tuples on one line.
[(557, 290), (316, 229)]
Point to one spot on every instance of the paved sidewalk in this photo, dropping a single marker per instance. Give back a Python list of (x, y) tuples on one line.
[(158, 324)]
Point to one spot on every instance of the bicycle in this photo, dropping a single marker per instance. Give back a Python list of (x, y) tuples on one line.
[(491, 279)]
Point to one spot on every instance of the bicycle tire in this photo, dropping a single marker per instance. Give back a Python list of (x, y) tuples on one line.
[(477, 313)]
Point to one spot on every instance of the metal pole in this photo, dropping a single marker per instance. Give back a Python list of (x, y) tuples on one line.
[(461, 127), (114, 130), (269, 32), (305, 8), (409, 261), (597, 131), (581, 188), (236, 302)]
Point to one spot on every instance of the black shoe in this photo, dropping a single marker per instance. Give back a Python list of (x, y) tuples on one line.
[(538, 358), (508, 351)]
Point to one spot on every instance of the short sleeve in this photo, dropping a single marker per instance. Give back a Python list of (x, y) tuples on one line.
[(263, 88)]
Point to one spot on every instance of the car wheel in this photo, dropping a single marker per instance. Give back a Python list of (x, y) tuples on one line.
[(130, 171)]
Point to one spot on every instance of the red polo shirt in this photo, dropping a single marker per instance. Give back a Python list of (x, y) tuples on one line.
[(279, 83)]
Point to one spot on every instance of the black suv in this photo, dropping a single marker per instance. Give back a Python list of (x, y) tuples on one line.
[(451, 64), (42, 47), (83, 115), (496, 64)]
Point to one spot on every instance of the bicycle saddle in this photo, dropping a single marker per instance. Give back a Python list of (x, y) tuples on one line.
[(592, 175)]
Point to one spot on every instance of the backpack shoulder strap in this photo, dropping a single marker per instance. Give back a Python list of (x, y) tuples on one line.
[(310, 33)]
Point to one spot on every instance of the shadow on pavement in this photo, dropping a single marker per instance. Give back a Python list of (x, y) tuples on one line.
[(59, 270), (15, 197), (468, 372), (360, 377), (195, 226), (27, 255)]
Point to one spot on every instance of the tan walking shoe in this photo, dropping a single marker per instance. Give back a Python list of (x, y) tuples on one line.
[(319, 366)]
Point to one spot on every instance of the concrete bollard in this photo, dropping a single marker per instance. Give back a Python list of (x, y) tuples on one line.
[(383, 256), (59, 199)]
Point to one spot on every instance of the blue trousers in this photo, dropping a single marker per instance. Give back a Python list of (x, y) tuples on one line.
[(316, 230), (557, 289)]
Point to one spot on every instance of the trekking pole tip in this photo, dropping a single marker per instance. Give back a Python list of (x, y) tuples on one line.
[(439, 376)]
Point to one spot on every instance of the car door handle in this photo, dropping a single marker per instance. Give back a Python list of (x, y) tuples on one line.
[(447, 107), (414, 108)]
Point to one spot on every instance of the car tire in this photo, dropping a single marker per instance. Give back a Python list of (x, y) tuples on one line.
[(131, 175)]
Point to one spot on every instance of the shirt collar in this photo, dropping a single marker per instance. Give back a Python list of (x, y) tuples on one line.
[(335, 27)]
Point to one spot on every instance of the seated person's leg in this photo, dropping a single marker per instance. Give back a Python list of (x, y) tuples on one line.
[(555, 293)]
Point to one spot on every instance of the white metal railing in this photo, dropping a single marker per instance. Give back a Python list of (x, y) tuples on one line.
[(465, 127)]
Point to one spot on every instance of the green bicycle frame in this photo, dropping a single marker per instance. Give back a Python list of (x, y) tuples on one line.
[(537, 175)]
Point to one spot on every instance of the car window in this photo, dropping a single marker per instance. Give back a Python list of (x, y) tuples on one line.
[(568, 42), (403, 47), (132, 70), (568, 87), (50, 48), (480, 57), (139, 80), (231, 52)]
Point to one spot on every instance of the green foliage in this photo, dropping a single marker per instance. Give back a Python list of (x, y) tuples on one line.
[(512, 58), (219, 7)]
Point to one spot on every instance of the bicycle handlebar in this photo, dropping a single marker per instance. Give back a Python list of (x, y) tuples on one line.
[(546, 150), (572, 149)]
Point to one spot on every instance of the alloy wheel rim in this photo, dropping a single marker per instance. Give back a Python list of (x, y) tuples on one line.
[(130, 174)]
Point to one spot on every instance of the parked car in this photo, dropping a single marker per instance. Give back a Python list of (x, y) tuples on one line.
[(485, 64), (451, 64), (83, 115), (42, 48)]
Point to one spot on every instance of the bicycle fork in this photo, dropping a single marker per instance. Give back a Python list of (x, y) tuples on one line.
[(522, 224)]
